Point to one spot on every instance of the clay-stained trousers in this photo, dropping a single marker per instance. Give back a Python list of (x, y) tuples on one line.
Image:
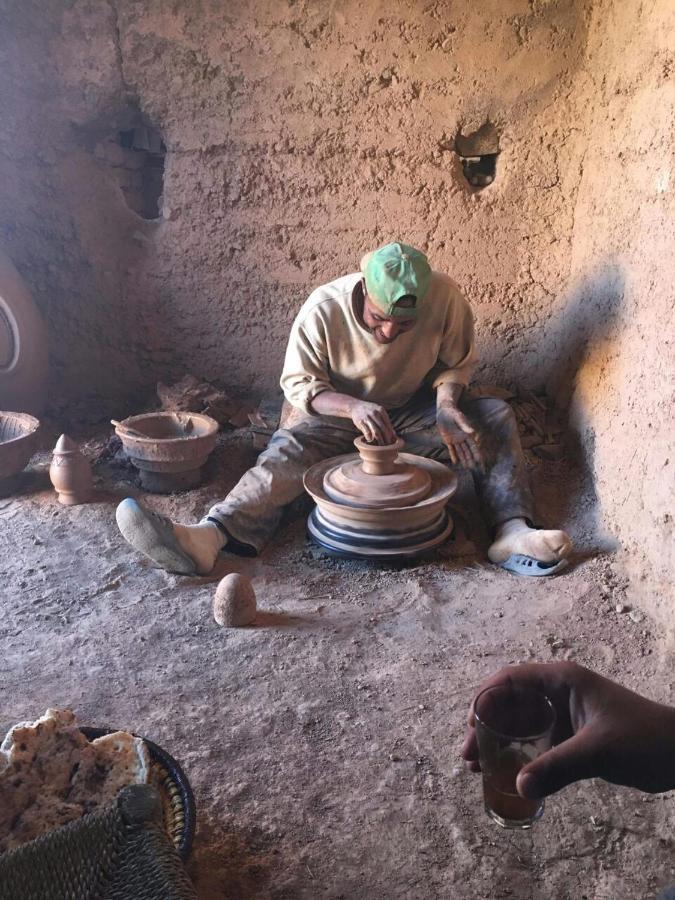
[(252, 510)]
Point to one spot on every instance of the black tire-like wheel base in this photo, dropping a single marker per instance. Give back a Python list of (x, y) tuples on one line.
[(378, 545)]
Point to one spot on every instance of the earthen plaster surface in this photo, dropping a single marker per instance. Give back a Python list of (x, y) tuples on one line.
[(323, 743)]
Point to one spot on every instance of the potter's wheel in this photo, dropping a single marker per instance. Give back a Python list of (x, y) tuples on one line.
[(379, 503)]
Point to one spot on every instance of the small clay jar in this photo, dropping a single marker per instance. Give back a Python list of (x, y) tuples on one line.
[(377, 459), (70, 473)]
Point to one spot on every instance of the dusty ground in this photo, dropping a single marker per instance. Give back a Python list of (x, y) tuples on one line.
[(322, 743)]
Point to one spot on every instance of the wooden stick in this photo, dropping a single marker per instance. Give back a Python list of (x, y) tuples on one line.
[(127, 430)]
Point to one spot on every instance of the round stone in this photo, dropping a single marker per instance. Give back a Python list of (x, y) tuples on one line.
[(234, 604)]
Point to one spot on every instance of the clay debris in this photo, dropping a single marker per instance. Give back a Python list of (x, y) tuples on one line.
[(234, 604), (540, 426), (192, 395)]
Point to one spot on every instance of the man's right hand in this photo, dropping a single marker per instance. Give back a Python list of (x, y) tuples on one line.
[(373, 422), (603, 730)]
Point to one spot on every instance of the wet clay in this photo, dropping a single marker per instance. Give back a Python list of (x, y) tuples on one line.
[(378, 478), (70, 473)]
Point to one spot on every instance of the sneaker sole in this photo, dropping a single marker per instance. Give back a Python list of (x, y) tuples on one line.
[(153, 535)]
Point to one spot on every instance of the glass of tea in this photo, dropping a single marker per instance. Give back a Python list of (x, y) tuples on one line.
[(514, 725)]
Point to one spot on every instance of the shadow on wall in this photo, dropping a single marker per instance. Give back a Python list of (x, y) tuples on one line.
[(589, 319)]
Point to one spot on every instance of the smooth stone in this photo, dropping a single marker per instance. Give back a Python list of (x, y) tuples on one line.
[(234, 605)]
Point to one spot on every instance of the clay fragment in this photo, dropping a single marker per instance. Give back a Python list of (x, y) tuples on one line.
[(234, 605), (195, 396), (70, 473)]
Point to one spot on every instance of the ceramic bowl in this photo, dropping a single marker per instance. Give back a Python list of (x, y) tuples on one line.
[(18, 440)]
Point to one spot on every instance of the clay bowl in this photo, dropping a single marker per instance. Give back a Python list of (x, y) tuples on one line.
[(18, 439), (169, 448)]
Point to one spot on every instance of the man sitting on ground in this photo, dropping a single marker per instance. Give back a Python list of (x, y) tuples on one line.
[(388, 350)]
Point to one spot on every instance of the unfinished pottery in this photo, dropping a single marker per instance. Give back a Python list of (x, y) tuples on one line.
[(234, 604), (378, 459), (70, 473), (394, 511), (168, 448), (397, 483), (18, 439)]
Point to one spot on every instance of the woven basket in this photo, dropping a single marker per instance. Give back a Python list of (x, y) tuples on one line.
[(18, 438), (120, 851), (180, 812)]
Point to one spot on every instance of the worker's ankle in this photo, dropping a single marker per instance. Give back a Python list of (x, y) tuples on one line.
[(202, 543)]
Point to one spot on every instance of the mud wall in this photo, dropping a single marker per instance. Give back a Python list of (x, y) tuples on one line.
[(621, 297), (297, 136)]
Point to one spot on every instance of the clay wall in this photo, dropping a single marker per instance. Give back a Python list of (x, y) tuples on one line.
[(298, 135), (621, 295)]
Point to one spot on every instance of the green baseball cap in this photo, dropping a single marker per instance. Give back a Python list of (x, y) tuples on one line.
[(395, 271)]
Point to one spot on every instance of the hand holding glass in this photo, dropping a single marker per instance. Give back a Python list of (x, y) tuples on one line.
[(514, 725)]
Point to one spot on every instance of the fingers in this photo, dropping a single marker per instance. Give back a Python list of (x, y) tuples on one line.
[(576, 758), (381, 425), (553, 679), (367, 430), (476, 455), (469, 749), (388, 428), (464, 454), (559, 681)]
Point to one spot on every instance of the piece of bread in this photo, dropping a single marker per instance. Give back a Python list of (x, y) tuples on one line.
[(51, 774)]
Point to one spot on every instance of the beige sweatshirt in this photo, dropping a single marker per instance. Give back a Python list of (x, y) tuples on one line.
[(330, 350)]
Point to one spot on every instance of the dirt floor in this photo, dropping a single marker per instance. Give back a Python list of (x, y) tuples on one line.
[(322, 743)]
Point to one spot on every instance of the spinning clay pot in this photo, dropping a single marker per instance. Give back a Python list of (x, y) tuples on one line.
[(378, 459), (380, 504)]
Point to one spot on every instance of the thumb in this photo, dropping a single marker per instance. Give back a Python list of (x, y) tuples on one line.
[(573, 760), (464, 423)]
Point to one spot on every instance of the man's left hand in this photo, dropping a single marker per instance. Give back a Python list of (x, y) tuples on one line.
[(459, 436)]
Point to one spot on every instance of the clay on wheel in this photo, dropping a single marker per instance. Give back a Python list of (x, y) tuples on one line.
[(23, 345)]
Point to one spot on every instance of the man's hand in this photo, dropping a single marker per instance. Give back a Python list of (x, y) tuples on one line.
[(371, 419), (458, 435), (603, 730), (373, 422)]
